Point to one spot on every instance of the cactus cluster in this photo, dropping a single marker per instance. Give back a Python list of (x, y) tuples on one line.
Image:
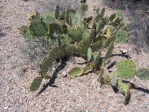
[(71, 32)]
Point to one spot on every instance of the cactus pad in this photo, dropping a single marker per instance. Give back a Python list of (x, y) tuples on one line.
[(121, 36), (36, 83), (126, 69), (124, 88), (75, 72), (143, 73)]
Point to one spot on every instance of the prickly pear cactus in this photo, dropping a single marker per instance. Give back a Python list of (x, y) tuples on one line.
[(89, 54), (109, 51), (121, 36), (54, 54), (114, 79), (75, 34), (75, 72), (124, 88), (143, 73), (36, 83), (25, 32), (126, 69), (38, 28), (69, 32)]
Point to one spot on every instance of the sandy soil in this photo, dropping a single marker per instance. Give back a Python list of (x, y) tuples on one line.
[(19, 65)]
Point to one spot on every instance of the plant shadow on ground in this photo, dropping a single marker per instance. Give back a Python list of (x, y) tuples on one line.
[(142, 89), (2, 34), (136, 13), (54, 76), (63, 64), (127, 99), (133, 86), (4, 31)]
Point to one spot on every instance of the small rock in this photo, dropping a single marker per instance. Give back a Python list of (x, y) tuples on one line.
[(6, 107), (123, 50)]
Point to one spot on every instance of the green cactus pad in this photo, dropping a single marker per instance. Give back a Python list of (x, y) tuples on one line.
[(48, 18), (143, 74), (113, 78), (72, 18), (36, 83), (121, 36), (54, 30), (57, 11), (89, 54), (66, 39), (78, 15), (124, 88), (82, 47), (112, 17), (76, 72), (89, 66), (100, 12), (98, 61), (84, 8), (83, 1), (126, 69), (86, 34), (96, 46), (109, 51), (38, 28), (75, 34), (103, 80), (54, 54), (109, 41), (25, 32)]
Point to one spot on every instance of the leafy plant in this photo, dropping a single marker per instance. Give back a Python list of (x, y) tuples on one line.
[(70, 32)]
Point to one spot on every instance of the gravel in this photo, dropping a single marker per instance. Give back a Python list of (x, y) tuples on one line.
[(19, 65)]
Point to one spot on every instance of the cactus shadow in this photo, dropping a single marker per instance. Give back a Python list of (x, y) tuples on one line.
[(137, 87), (133, 86), (54, 76), (121, 55), (4, 31), (142, 90)]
